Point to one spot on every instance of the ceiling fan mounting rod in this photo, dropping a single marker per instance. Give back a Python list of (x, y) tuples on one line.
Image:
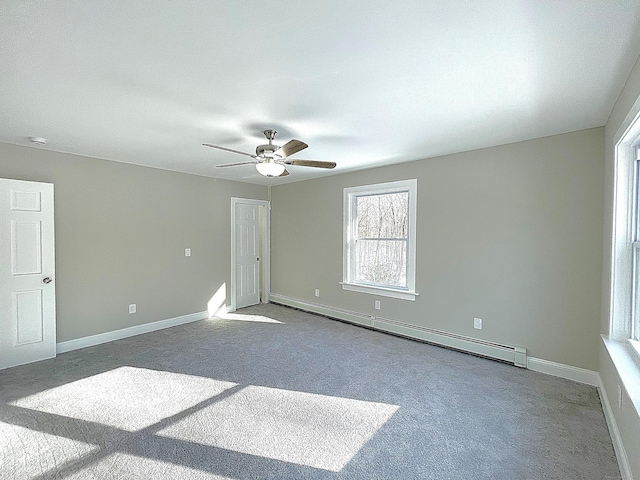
[(270, 134)]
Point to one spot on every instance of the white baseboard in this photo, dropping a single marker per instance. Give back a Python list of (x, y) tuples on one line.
[(92, 340), (334, 312), (515, 355), (618, 446), (581, 375)]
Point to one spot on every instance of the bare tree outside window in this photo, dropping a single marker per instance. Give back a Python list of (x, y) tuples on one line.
[(381, 239)]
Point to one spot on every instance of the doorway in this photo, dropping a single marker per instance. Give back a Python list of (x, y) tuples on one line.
[(250, 252)]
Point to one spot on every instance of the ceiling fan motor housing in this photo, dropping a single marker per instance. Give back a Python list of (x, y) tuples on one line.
[(267, 150)]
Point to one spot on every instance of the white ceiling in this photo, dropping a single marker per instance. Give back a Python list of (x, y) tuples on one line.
[(364, 83)]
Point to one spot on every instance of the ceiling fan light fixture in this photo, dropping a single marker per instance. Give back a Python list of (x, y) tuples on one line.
[(270, 169)]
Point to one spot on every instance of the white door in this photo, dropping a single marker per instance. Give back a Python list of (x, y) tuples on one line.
[(27, 275), (247, 250)]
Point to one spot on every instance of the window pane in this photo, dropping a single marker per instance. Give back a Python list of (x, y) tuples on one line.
[(382, 262), (636, 199), (382, 216), (635, 328)]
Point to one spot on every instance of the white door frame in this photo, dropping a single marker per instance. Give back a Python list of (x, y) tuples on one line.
[(265, 244)]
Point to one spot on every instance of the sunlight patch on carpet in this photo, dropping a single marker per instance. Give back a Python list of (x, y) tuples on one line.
[(248, 318), (122, 465), (297, 427), (27, 453), (127, 398)]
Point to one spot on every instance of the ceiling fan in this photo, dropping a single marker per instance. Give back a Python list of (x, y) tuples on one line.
[(271, 160)]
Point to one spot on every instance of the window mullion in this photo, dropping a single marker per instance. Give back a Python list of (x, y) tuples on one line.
[(353, 218)]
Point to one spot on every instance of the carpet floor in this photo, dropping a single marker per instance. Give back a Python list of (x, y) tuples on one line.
[(272, 392)]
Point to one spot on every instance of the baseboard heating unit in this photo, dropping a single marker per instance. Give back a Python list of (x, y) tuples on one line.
[(505, 353)]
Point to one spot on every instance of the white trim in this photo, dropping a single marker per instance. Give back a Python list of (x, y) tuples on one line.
[(381, 291), (627, 365), (334, 312), (105, 337), (515, 355), (577, 374), (265, 239), (616, 439)]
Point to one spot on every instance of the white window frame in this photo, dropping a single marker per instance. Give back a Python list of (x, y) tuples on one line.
[(624, 314), (410, 186), (634, 327)]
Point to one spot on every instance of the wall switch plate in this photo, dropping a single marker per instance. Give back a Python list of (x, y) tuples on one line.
[(132, 308), (317, 292), (377, 304), (477, 323), (187, 252)]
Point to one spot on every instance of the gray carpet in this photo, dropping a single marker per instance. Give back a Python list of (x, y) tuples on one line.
[(271, 392)]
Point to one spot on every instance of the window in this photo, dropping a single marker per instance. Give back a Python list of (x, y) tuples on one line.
[(625, 266), (379, 239)]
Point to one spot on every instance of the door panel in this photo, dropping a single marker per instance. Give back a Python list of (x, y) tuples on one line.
[(26, 248), (26, 201), (27, 286), (27, 316), (247, 247)]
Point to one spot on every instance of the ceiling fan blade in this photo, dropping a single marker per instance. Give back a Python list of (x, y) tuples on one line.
[(291, 147), (285, 173), (229, 150), (235, 164), (311, 163)]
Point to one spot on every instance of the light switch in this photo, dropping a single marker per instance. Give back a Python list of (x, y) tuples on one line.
[(187, 252)]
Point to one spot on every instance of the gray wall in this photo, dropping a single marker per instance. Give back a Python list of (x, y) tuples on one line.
[(121, 231), (627, 418), (511, 234)]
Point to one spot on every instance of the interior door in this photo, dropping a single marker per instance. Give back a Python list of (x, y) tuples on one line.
[(247, 245), (27, 273)]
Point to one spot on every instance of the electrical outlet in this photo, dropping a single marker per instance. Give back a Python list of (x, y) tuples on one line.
[(187, 252), (317, 292), (477, 323), (377, 304), (132, 308)]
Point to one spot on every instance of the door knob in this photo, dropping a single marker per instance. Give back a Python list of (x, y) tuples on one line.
[(46, 280)]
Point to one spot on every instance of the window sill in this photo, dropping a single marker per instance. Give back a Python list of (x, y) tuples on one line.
[(626, 359), (380, 291)]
